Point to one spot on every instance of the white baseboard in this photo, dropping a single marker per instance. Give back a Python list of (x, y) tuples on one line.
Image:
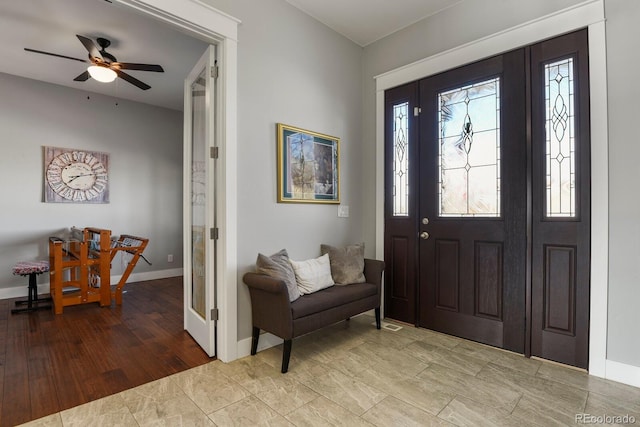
[(623, 373), (43, 288), (266, 341)]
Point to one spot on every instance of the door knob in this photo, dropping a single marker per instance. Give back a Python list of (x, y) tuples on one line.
[(424, 235)]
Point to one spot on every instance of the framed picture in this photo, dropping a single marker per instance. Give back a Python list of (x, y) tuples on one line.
[(308, 166), (75, 176)]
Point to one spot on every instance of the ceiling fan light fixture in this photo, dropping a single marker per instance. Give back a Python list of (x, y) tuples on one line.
[(102, 73)]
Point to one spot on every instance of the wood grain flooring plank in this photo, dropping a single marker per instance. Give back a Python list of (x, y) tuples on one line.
[(50, 362)]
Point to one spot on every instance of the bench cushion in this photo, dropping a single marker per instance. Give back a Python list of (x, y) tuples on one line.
[(331, 297)]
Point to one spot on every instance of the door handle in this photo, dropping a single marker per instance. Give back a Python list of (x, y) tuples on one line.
[(424, 235)]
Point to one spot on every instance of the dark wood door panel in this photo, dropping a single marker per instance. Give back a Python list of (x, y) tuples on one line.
[(560, 282), (400, 232), (488, 267)]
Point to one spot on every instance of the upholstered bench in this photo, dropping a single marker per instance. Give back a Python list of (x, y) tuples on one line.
[(272, 310)]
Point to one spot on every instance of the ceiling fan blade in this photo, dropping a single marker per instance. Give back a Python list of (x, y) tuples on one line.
[(132, 80), (55, 54), (141, 67), (83, 77), (90, 46)]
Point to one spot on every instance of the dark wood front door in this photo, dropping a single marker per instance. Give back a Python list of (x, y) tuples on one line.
[(486, 214), (473, 201)]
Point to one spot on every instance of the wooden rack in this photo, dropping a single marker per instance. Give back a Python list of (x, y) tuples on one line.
[(80, 268)]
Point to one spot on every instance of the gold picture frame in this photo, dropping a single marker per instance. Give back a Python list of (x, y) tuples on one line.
[(308, 166)]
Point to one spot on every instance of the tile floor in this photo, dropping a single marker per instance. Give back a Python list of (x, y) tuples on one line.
[(351, 374)]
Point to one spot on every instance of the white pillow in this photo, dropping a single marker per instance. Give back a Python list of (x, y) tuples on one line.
[(313, 274)]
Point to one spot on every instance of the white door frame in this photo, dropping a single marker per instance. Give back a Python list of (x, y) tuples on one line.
[(209, 24), (591, 15)]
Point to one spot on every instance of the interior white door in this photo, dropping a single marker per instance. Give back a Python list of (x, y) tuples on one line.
[(199, 203)]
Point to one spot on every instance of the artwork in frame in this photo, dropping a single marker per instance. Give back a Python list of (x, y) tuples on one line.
[(308, 166), (75, 176)]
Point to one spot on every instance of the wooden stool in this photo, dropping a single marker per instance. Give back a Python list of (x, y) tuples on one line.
[(31, 269)]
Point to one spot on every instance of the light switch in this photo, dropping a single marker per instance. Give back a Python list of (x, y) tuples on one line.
[(343, 211)]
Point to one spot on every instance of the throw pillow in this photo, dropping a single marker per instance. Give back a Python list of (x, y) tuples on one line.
[(313, 274), (279, 267), (347, 264)]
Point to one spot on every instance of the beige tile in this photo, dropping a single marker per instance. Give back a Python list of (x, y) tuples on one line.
[(250, 411), (177, 411), (538, 411), (150, 394), (566, 398), (439, 339), (209, 389), (110, 410), (287, 398), (394, 412), (418, 393), (53, 420), (323, 412), (497, 356), (348, 392), (452, 360), (582, 380), (440, 378), (467, 413), (598, 404)]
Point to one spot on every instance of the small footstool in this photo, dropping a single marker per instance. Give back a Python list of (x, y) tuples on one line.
[(31, 269)]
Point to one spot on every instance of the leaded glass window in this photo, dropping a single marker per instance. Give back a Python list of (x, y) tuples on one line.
[(560, 139), (401, 159), (469, 150)]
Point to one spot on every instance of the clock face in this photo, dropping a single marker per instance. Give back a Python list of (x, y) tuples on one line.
[(77, 176)]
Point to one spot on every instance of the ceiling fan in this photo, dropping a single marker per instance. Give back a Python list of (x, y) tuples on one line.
[(104, 66)]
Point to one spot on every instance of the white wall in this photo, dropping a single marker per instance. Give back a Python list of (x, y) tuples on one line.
[(296, 71), (145, 145), (623, 33)]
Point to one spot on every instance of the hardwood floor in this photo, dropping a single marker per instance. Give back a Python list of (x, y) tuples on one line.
[(50, 362)]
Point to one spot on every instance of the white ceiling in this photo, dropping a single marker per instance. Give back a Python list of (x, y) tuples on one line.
[(52, 25), (365, 21)]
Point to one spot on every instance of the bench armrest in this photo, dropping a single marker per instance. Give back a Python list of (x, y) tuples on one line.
[(373, 269), (270, 306)]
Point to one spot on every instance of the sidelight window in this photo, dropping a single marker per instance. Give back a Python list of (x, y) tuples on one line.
[(560, 151), (401, 159)]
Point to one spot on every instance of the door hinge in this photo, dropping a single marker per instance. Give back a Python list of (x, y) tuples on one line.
[(214, 314), (214, 71), (214, 152), (214, 233), (416, 111)]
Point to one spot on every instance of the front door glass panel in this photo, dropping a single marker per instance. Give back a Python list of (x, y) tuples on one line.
[(469, 150)]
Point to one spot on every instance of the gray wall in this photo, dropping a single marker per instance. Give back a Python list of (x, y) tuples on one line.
[(623, 62), (145, 146), (296, 71)]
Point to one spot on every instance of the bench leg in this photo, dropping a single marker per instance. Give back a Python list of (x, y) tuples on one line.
[(255, 336), (286, 354), (377, 317)]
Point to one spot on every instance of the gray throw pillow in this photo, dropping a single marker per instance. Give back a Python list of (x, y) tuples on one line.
[(279, 267), (347, 264)]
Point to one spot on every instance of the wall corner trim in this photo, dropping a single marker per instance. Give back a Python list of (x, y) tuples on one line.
[(623, 373)]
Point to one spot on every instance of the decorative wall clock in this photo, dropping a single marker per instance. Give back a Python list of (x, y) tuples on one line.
[(75, 176)]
